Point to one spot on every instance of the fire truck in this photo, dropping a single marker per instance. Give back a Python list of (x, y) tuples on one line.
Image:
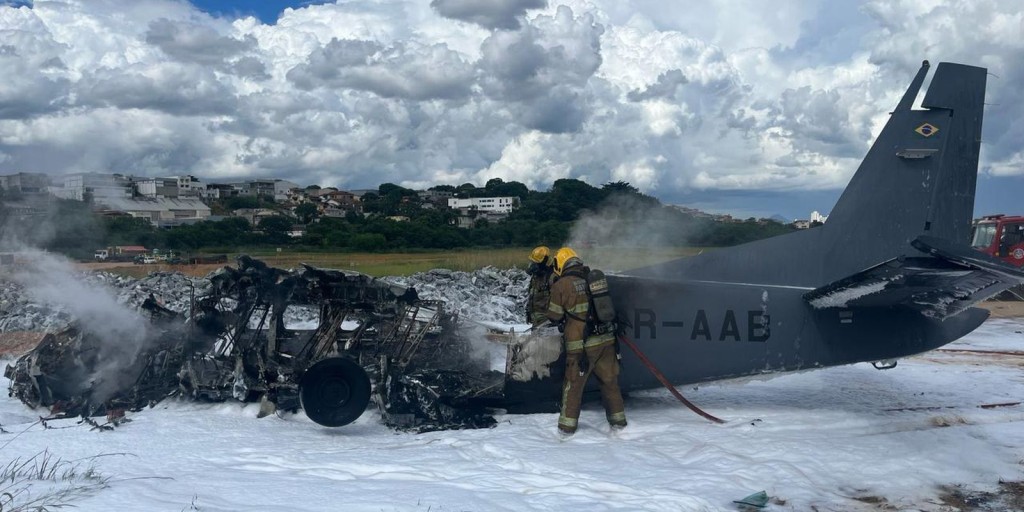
[(1000, 236)]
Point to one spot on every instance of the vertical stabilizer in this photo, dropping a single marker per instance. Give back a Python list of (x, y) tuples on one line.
[(917, 179), (919, 176)]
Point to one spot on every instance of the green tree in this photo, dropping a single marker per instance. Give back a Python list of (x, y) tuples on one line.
[(275, 229), (569, 196), (498, 188), (306, 212), (622, 187), (396, 200), (371, 203), (370, 242), (466, 190), (353, 217), (131, 231), (493, 184), (68, 227), (240, 202)]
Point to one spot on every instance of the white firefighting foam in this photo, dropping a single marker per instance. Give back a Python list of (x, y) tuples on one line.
[(835, 439)]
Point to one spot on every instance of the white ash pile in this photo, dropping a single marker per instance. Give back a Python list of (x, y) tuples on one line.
[(490, 294), (173, 290), (20, 312)]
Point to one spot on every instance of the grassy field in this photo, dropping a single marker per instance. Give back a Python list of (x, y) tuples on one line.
[(403, 264)]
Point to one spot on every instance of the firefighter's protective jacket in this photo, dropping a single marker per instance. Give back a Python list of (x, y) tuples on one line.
[(539, 295), (570, 304)]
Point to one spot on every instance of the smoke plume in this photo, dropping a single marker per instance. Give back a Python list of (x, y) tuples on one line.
[(625, 224), (52, 279)]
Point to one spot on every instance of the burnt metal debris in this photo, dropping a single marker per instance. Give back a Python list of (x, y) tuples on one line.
[(371, 338)]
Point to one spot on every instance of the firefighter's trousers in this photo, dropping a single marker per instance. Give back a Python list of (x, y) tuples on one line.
[(605, 366)]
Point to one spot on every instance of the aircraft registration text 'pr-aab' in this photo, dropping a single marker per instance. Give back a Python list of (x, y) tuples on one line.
[(891, 274)]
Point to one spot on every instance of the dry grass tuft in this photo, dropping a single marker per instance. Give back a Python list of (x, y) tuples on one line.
[(46, 482)]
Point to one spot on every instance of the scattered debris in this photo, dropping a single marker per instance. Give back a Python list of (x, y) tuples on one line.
[(877, 502), (949, 421), (1008, 496), (16, 343), (758, 500), (940, 407), (230, 337)]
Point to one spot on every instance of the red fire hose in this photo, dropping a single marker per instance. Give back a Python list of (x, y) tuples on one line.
[(664, 381)]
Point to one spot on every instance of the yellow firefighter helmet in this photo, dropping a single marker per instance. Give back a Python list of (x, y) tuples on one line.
[(566, 257), (540, 255)]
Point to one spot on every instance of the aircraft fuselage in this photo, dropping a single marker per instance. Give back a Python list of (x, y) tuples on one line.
[(699, 331)]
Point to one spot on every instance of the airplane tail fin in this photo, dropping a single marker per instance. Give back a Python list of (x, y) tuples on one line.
[(918, 178)]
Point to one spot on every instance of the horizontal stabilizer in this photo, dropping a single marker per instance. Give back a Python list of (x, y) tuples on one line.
[(952, 280), (967, 256)]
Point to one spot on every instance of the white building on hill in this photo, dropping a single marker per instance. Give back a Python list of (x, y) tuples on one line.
[(484, 204), (157, 187), (82, 185)]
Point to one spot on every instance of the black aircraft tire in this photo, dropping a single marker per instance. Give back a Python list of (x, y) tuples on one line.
[(334, 391)]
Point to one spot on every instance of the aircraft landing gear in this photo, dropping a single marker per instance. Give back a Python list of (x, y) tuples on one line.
[(334, 391)]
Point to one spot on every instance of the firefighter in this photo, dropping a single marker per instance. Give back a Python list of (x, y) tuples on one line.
[(542, 275), (586, 351)]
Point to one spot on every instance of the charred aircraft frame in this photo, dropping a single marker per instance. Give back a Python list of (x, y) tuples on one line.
[(233, 343)]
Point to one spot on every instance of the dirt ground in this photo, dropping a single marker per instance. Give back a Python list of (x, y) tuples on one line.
[(143, 270), (1009, 496), (1004, 309)]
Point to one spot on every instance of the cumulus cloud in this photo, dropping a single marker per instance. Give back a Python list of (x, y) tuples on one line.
[(543, 70), (493, 14), (35, 82), (192, 42), (988, 34), (400, 71), (167, 87), (665, 87), (764, 97), (189, 42)]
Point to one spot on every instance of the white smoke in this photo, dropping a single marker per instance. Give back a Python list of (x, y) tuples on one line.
[(624, 224), (121, 331), (52, 280)]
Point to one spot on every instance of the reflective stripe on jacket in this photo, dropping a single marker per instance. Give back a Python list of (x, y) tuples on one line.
[(569, 303)]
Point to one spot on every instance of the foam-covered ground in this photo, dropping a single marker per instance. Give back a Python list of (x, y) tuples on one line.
[(821, 439)]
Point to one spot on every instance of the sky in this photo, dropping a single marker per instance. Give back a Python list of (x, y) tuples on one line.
[(750, 108)]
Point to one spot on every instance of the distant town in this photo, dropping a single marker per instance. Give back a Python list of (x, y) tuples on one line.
[(109, 215), (177, 200)]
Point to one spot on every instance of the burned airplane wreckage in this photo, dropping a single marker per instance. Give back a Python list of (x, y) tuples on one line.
[(371, 339)]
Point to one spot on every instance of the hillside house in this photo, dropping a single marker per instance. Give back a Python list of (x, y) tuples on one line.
[(255, 215), (161, 212)]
